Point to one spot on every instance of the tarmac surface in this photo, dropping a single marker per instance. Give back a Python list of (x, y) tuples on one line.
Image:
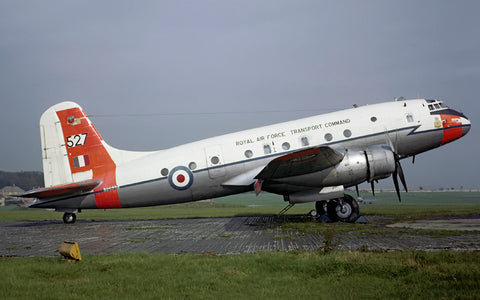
[(224, 236)]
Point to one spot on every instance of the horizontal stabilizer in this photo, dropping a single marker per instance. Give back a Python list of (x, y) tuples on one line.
[(301, 162), (70, 189)]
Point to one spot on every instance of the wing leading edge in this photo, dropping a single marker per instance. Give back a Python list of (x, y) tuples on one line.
[(294, 164), (301, 162)]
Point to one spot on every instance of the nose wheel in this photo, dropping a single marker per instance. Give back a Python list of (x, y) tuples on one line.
[(69, 218)]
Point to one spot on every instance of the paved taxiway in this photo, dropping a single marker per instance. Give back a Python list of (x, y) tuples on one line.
[(215, 235)]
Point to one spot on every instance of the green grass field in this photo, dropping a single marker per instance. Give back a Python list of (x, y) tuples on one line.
[(282, 275), (318, 274), (417, 204)]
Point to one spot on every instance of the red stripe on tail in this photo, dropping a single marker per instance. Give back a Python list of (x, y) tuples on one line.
[(82, 139)]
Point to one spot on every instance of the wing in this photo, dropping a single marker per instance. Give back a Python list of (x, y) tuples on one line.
[(64, 190), (300, 162), (294, 164)]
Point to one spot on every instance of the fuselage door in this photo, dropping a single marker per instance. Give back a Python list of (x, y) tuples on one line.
[(215, 162)]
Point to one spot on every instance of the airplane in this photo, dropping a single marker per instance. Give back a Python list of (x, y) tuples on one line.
[(311, 159)]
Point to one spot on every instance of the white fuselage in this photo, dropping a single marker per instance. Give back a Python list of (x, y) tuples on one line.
[(216, 163), (353, 145)]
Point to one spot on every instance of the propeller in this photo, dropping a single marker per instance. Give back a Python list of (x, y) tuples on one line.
[(398, 172), (369, 175)]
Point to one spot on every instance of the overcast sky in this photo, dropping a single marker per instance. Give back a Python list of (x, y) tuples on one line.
[(150, 73)]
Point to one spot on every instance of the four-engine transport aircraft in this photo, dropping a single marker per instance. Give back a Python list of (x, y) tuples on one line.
[(307, 160)]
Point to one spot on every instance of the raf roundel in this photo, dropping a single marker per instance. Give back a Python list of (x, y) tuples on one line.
[(180, 178)]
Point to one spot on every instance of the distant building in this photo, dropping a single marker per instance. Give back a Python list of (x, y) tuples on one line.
[(7, 198)]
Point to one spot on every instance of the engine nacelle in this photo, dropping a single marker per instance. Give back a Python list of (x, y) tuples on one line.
[(357, 166), (381, 162)]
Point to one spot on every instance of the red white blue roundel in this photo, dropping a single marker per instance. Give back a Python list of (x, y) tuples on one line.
[(180, 178)]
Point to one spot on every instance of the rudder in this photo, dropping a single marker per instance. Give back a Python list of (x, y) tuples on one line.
[(73, 151)]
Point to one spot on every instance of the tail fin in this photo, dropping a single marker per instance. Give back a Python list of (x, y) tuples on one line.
[(73, 151)]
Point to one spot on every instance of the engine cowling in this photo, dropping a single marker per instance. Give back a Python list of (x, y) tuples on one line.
[(381, 162), (357, 166)]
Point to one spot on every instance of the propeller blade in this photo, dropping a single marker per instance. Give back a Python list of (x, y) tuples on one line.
[(373, 187), (399, 170), (402, 176), (356, 188), (395, 182)]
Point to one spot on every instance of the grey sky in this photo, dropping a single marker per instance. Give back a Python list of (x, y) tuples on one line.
[(124, 58)]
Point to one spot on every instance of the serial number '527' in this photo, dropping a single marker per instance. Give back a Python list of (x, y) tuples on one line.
[(76, 140)]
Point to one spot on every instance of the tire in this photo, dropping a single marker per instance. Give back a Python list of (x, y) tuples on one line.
[(321, 207), (69, 218), (349, 212)]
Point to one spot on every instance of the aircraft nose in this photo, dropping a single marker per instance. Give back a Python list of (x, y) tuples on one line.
[(466, 124), (464, 121), (455, 125)]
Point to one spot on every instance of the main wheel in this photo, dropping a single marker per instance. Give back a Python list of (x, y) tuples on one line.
[(69, 218), (346, 212), (321, 207)]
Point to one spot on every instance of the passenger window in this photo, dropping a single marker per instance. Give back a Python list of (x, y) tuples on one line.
[(164, 172), (267, 149), (347, 133), (215, 160), (305, 141), (409, 118), (192, 166), (373, 119), (328, 137), (248, 153), (285, 146)]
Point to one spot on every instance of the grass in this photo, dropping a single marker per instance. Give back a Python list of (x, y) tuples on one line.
[(325, 274), (308, 225), (281, 275), (414, 205)]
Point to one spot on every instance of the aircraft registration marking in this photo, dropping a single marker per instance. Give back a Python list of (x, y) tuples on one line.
[(76, 140), (291, 132)]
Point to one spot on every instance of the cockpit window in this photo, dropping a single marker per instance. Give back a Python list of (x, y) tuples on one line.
[(436, 105)]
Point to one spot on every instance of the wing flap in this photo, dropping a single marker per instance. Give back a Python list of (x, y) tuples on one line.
[(64, 190), (301, 162)]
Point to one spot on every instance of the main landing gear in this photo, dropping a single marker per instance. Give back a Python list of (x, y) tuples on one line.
[(343, 209), (69, 218)]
